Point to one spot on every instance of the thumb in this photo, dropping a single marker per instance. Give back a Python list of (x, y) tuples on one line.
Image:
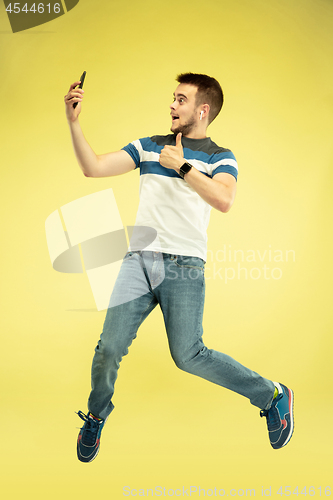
[(179, 140)]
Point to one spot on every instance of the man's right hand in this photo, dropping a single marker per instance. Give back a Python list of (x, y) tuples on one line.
[(92, 165), (74, 95)]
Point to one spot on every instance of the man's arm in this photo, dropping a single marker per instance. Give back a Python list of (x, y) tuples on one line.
[(92, 165), (219, 192)]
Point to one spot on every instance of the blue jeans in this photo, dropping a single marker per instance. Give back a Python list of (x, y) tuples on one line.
[(177, 284)]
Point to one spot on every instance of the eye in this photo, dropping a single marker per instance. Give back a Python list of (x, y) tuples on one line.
[(181, 100)]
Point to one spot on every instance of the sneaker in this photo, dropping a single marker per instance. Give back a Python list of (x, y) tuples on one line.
[(89, 437), (280, 418)]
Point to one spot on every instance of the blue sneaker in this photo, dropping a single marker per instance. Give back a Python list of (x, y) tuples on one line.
[(89, 437), (280, 417)]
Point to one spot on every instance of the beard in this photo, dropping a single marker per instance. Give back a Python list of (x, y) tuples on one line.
[(184, 129)]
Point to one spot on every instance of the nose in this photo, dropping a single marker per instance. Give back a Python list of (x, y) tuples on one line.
[(173, 105)]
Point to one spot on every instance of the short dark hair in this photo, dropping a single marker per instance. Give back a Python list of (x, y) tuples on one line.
[(209, 91)]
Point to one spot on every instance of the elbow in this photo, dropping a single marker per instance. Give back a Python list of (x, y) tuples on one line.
[(90, 169), (225, 209), (224, 205), (88, 174)]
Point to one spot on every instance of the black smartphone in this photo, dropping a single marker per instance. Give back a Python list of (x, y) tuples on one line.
[(80, 86)]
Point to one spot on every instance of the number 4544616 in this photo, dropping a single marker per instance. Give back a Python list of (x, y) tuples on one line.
[(39, 8), (311, 491)]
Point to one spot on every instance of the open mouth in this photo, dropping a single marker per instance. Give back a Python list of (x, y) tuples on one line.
[(175, 118)]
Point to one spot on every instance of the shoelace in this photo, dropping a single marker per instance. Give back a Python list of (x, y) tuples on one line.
[(90, 429), (272, 415)]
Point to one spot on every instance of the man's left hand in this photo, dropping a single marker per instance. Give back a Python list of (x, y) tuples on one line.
[(173, 156)]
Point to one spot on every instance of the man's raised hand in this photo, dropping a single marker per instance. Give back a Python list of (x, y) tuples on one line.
[(74, 95), (173, 156)]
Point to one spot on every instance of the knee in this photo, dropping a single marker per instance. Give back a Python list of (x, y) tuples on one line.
[(186, 360), (110, 350), (179, 361)]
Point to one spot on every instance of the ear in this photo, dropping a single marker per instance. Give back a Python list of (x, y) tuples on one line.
[(204, 111)]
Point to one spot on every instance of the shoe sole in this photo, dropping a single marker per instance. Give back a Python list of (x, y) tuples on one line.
[(82, 458), (291, 412)]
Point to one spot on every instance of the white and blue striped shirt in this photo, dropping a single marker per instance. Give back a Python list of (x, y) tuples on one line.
[(167, 203)]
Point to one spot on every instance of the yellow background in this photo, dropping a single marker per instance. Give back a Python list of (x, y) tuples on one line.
[(169, 429)]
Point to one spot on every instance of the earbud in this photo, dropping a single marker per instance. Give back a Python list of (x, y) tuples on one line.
[(201, 115)]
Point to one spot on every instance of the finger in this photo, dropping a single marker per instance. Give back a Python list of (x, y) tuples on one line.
[(75, 84), (179, 140), (71, 100), (76, 94), (69, 97)]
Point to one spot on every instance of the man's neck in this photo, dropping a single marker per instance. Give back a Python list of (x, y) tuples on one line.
[(195, 136), (197, 132)]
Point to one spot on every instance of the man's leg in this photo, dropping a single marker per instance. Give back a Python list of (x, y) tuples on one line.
[(120, 328), (181, 296), (130, 304)]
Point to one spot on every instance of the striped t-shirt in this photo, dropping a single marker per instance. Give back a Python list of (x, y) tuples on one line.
[(168, 204)]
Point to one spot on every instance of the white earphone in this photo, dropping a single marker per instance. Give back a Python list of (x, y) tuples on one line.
[(201, 115)]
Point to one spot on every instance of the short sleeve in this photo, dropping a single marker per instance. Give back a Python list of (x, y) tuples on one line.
[(225, 162), (133, 149)]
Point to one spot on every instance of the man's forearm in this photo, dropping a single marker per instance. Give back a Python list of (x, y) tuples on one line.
[(86, 157), (217, 194)]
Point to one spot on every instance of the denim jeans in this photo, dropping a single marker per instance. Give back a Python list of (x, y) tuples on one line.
[(177, 284)]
